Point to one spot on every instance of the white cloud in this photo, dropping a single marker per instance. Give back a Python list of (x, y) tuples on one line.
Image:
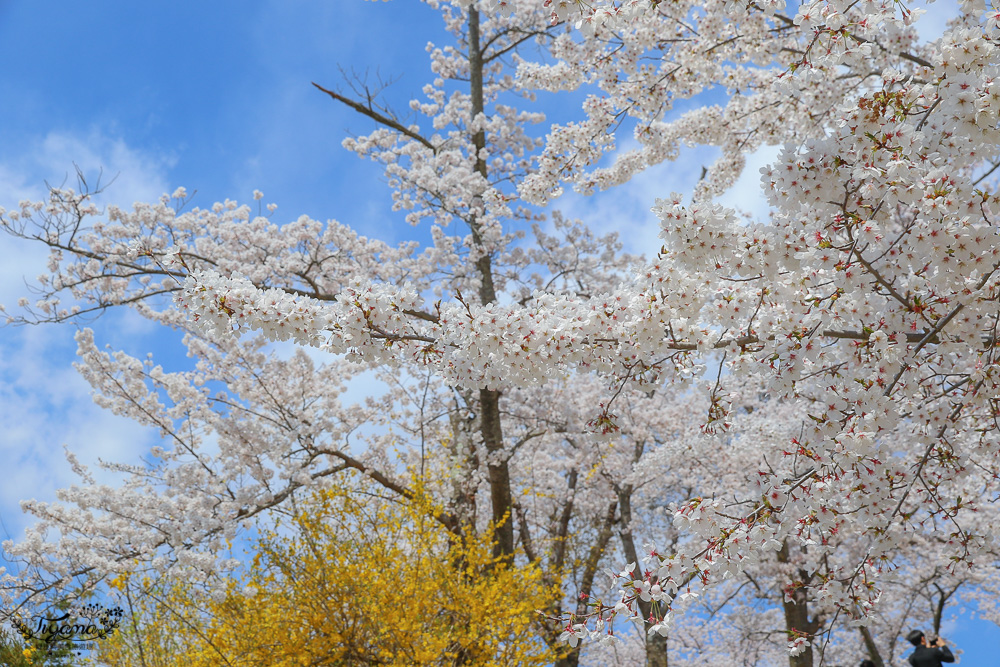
[(627, 208), (746, 193), (44, 403), (20, 258), (130, 175)]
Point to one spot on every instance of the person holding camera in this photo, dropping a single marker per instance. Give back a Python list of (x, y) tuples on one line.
[(928, 654)]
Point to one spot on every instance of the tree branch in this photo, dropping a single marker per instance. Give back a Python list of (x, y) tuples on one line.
[(378, 117)]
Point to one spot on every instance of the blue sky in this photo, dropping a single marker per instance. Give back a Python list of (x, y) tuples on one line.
[(214, 96)]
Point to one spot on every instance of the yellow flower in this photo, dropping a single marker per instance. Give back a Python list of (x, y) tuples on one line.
[(350, 578)]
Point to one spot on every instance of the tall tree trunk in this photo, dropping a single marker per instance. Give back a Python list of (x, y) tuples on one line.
[(797, 613), (656, 644), (499, 475), (940, 605), (489, 399), (656, 650), (572, 658), (463, 453), (870, 646), (558, 561)]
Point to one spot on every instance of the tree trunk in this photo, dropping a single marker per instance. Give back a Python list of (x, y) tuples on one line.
[(656, 651), (870, 646), (572, 658), (499, 475), (656, 644), (463, 452), (796, 608), (939, 606), (489, 399)]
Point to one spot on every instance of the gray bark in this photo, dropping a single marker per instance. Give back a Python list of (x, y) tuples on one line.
[(870, 646), (572, 658), (656, 645), (489, 399), (797, 614)]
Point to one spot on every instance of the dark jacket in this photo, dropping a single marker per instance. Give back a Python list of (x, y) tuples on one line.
[(931, 656)]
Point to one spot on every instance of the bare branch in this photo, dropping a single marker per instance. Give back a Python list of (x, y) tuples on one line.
[(377, 116)]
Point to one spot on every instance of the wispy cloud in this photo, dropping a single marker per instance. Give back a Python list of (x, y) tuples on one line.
[(43, 401), (746, 194), (627, 208), (46, 406)]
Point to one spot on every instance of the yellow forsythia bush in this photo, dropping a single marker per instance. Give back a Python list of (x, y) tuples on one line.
[(349, 579)]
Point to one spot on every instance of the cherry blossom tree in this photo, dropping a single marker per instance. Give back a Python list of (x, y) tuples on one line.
[(748, 616), (866, 303), (249, 426), (882, 195)]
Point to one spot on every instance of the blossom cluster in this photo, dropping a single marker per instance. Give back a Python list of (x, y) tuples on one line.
[(864, 310)]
